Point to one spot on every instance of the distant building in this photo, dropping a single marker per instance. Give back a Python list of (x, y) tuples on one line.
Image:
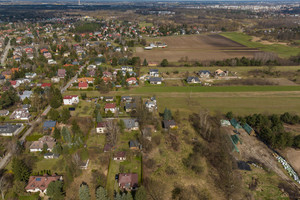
[(10, 129), (71, 99), (38, 146), (128, 181)]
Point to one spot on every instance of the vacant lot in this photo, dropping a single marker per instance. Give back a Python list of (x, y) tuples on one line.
[(196, 48)]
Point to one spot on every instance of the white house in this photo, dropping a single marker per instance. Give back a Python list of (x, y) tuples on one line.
[(71, 99), (101, 127)]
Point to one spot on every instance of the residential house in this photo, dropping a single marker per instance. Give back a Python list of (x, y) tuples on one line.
[(109, 99), (71, 99), (40, 183), (26, 94), (30, 75), (154, 72), (38, 146), (152, 64), (107, 148), (130, 107), (204, 74), (127, 99), (44, 85), (101, 127), (193, 80), (14, 84), (120, 156), (86, 79), (131, 81), (20, 114), (7, 74), (110, 107), (61, 73), (50, 155), (151, 104), (4, 113), (131, 124), (83, 85), (10, 129), (155, 80), (49, 125), (128, 181), (169, 124), (55, 79), (134, 145), (221, 73), (52, 62)]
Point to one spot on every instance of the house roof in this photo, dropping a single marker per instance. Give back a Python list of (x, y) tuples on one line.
[(128, 180), (131, 79), (70, 96), (46, 85), (120, 154), (110, 105), (101, 125), (61, 72), (168, 123), (49, 124), (9, 128), (83, 84), (247, 128), (130, 105), (130, 123), (155, 79), (190, 78), (50, 141), (41, 182), (133, 143)]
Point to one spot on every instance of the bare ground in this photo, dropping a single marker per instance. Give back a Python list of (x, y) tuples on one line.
[(196, 48)]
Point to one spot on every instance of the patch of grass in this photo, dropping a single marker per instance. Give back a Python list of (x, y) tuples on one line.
[(111, 182), (34, 137), (244, 39), (31, 197)]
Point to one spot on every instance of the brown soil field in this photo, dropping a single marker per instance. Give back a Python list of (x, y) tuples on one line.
[(196, 48)]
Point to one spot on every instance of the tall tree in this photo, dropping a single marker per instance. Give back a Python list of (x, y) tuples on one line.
[(20, 169), (84, 192), (65, 115), (66, 134), (55, 190), (101, 194), (167, 114), (99, 117)]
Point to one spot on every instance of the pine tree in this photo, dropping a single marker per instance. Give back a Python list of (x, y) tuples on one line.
[(55, 190), (20, 169), (84, 192), (66, 134), (145, 63), (99, 117), (101, 194), (167, 114), (57, 133)]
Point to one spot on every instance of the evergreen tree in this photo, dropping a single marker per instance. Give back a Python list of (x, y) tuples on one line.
[(56, 98), (167, 114), (54, 115), (164, 63), (20, 169), (57, 134), (55, 190), (99, 117), (145, 63), (66, 134), (128, 196), (57, 149), (84, 192), (101, 194), (65, 115)]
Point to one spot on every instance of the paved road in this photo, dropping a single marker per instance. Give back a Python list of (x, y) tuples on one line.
[(8, 156), (4, 55)]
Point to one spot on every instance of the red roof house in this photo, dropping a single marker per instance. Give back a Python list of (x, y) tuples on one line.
[(41, 183), (83, 85), (44, 85), (128, 181)]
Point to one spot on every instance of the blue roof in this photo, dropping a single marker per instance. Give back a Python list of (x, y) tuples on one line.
[(38, 179), (49, 124)]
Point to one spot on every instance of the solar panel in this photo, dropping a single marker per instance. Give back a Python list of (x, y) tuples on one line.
[(38, 179)]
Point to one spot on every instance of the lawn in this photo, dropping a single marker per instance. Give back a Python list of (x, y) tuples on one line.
[(112, 171), (244, 39), (83, 109)]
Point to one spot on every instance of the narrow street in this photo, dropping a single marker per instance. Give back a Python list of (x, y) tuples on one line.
[(5, 53)]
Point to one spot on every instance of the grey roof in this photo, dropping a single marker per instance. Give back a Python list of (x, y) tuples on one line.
[(155, 79), (130, 106), (133, 143), (130, 123), (153, 70), (9, 128), (191, 78), (204, 72), (49, 124), (168, 123)]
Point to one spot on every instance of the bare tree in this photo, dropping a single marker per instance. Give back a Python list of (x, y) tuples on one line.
[(112, 132), (5, 183)]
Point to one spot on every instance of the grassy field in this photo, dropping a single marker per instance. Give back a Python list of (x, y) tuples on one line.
[(281, 50)]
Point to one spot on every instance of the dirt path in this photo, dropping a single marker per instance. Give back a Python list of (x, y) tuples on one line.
[(258, 39), (252, 147)]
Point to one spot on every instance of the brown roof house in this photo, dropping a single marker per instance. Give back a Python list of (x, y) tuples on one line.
[(120, 156), (128, 181), (45, 140), (41, 183)]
